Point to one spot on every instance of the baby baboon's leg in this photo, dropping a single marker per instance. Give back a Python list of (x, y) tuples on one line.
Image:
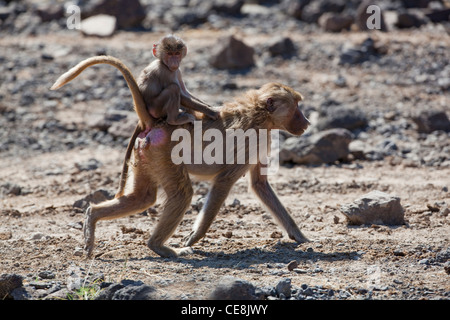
[(141, 198), (178, 189), (168, 102)]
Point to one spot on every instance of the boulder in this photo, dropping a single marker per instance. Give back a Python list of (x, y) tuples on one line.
[(439, 15), (355, 54), (341, 117), (433, 120), (230, 288), (129, 13), (127, 290), (95, 197), (314, 9), (376, 207), (9, 282), (281, 46), (100, 25), (324, 147), (335, 22), (409, 19), (231, 53)]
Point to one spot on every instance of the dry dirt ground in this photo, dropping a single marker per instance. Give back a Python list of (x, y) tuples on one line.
[(40, 229)]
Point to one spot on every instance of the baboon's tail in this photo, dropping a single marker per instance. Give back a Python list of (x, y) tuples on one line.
[(139, 104), (125, 165)]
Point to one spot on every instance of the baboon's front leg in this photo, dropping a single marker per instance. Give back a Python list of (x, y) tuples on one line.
[(216, 196), (264, 191)]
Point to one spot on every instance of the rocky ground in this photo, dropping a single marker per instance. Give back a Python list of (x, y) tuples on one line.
[(383, 95)]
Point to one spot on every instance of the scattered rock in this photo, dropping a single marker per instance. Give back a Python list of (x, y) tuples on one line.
[(5, 235), (95, 197), (324, 147), (282, 46), (231, 53), (314, 9), (10, 189), (294, 8), (127, 290), (375, 207), (9, 282), (292, 265), (227, 7), (439, 15), (429, 121), (100, 25), (284, 287), (447, 267), (443, 255), (365, 51), (230, 288), (50, 11), (46, 274), (37, 236), (341, 117), (409, 19), (128, 13), (91, 164), (333, 22)]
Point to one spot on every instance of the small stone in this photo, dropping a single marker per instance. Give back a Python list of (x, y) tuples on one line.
[(37, 236), (276, 235), (46, 275), (334, 22), (78, 252), (308, 292), (282, 47), (292, 265), (231, 53), (284, 287), (230, 288), (101, 25), (228, 234), (300, 271), (376, 207), (236, 203), (9, 282), (447, 267), (5, 235)]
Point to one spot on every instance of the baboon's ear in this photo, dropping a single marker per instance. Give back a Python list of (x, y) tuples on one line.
[(269, 105)]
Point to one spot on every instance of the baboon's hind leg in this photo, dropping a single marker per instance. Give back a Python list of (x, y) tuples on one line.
[(141, 198), (178, 188)]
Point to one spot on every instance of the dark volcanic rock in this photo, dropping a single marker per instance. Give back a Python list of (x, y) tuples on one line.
[(324, 147), (231, 53)]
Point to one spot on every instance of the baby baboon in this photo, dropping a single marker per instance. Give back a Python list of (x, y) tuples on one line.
[(159, 91), (273, 106), (162, 86)]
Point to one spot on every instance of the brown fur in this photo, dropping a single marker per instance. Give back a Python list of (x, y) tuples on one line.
[(162, 86), (274, 106)]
